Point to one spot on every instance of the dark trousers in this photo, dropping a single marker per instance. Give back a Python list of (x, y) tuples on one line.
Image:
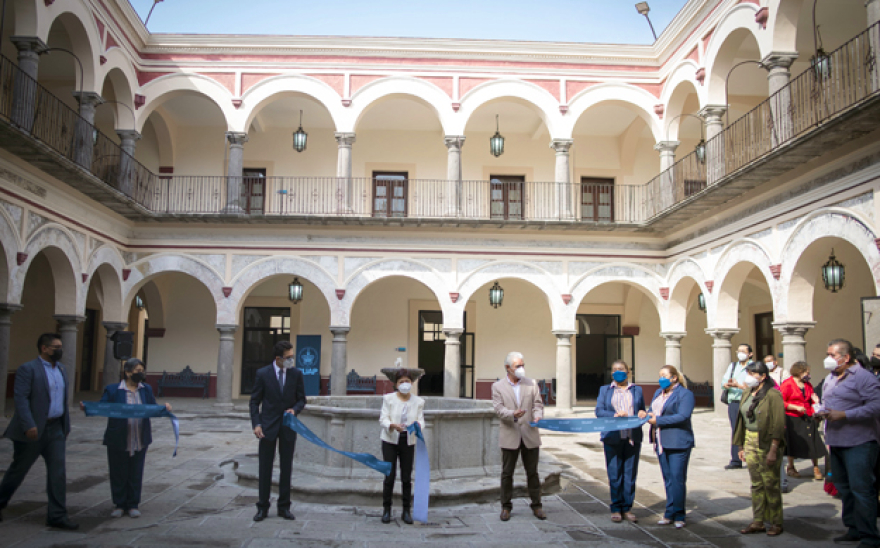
[(285, 442), (674, 466), (126, 476), (732, 412), (622, 462), (52, 447), (854, 478), (530, 463), (406, 453)]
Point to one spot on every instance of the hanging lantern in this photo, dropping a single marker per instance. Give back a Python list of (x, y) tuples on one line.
[(496, 143), (700, 150), (821, 64), (701, 302), (138, 302), (300, 137), (496, 295), (833, 274), (295, 291)]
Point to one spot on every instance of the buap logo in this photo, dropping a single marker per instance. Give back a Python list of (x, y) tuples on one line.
[(307, 357)]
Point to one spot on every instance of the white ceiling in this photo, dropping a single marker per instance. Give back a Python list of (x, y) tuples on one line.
[(513, 117), (399, 113), (283, 112), (190, 109)]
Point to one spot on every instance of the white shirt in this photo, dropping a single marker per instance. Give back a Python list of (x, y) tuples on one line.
[(515, 387), (779, 374)]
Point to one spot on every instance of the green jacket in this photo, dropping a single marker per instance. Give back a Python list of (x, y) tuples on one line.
[(771, 421)]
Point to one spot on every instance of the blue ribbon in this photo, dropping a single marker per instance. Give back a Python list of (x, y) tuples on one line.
[(423, 475), (607, 424), (366, 459), (132, 411)]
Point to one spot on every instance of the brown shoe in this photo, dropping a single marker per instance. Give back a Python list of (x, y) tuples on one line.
[(774, 531), (539, 513), (631, 517), (792, 472), (753, 528), (505, 514), (817, 474)]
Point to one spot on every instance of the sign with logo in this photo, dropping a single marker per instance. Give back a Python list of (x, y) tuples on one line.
[(308, 360)]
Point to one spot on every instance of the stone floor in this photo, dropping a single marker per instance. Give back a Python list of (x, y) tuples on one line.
[(190, 500)]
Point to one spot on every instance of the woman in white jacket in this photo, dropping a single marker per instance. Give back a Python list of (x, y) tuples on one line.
[(399, 410)]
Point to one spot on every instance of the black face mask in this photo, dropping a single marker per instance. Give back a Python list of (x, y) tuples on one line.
[(875, 362), (56, 354), (138, 378)]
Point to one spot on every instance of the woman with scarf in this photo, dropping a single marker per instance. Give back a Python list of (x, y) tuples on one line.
[(760, 436)]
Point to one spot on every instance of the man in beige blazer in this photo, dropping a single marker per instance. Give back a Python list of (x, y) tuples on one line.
[(517, 403)]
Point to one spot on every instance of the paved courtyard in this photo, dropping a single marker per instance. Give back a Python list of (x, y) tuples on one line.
[(193, 500)]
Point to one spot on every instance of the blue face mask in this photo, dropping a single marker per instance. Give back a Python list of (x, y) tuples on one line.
[(619, 376), (665, 383)]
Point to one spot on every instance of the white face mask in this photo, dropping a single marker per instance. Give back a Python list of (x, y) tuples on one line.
[(751, 381), (520, 372), (771, 365), (742, 356), (830, 363), (288, 363), (404, 387)]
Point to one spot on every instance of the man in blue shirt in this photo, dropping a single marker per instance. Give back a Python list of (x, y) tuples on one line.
[(734, 381), (39, 428)]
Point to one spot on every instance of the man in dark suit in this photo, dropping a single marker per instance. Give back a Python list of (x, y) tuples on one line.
[(278, 389), (40, 427)]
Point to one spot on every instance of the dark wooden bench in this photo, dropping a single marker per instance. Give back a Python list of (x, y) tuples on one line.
[(356, 383), (702, 390), (186, 379)]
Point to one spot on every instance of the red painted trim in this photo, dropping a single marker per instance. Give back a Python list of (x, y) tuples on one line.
[(227, 291), (85, 278), (21, 258), (762, 16), (709, 285), (631, 330), (664, 293), (776, 270), (139, 101), (102, 59), (566, 299), (237, 103), (340, 294), (126, 272), (154, 333), (659, 109), (456, 106), (453, 297), (166, 170)]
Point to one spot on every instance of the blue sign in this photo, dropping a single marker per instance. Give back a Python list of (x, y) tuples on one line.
[(308, 360)]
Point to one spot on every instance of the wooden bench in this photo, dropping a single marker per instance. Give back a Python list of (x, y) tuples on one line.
[(701, 390), (185, 379), (356, 383)]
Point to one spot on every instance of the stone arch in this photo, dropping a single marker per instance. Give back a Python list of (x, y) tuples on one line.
[(799, 266), (84, 38), (736, 25), (640, 100), (10, 243), (271, 88), (252, 276), (154, 304), (60, 249), (675, 101), (783, 23), (120, 72), (644, 280), (545, 104), (150, 267), (426, 92), (167, 87), (684, 275), (106, 264), (731, 271), (165, 137)]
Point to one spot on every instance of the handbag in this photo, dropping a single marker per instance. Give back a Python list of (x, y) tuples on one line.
[(725, 395)]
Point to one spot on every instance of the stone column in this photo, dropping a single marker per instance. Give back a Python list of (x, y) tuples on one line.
[(125, 177), (793, 344), (234, 171), (225, 359), (344, 191), (453, 175), (563, 371), (673, 348), (84, 141), (68, 329), (713, 116), (111, 364), (339, 360), (873, 9), (721, 359), (564, 194), (24, 92), (6, 312), (778, 77), (452, 364), (667, 177)]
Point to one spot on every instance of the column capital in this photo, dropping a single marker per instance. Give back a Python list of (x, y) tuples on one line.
[(793, 328), (779, 59), (89, 98), (712, 113), (562, 336), (114, 326), (673, 336), (453, 142), (28, 44), (226, 330), (236, 138), (69, 321), (340, 331), (561, 146), (667, 146), (453, 332), (722, 334), (128, 134), (345, 139)]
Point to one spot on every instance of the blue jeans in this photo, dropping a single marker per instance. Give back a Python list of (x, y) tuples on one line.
[(854, 478), (622, 462), (674, 465), (732, 412)]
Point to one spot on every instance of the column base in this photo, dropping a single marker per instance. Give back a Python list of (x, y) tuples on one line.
[(225, 405)]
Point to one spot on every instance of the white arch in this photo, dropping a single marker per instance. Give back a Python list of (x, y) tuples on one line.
[(266, 90), (166, 87), (729, 279), (164, 263), (62, 251), (116, 59), (546, 105), (641, 101), (402, 85), (11, 244), (681, 271), (783, 23), (107, 263), (683, 75), (87, 51), (719, 59), (644, 280)]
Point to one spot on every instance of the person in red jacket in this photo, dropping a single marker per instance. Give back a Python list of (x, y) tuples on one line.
[(802, 439)]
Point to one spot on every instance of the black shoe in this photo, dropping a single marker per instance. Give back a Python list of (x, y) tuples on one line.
[(406, 516), (65, 524), (286, 514), (846, 539), (261, 514), (386, 516), (732, 466)]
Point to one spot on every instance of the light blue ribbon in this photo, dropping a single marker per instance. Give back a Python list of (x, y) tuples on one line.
[(606, 424), (423, 475), (133, 411), (366, 459)]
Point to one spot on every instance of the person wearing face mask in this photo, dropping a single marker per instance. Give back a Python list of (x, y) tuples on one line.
[(39, 428), (127, 440), (400, 409), (517, 402), (802, 439), (278, 389), (760, 436), (851, 407), (734, 382), (621, 398), (778, 374), (673, 437)]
